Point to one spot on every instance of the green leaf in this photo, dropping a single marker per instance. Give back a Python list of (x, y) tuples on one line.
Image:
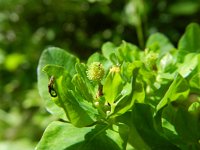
[(57, 72), (127, 101), (123, 130), (76, 113), (127, 69), (102, 138), (195, 82), (59, 135), (168, 128), (114, 59), (180, 126), (133, 92), (190, 65), (96, 57), (112, 87), (128, 52), (189, 42), (159, 43), (119, 133), (178, 90), (195, 108), (81, 70), (59, 57), (82, 89), (142, 119), (107, 49), (135, 141), (187, 126), (80, 113), (168, 63)]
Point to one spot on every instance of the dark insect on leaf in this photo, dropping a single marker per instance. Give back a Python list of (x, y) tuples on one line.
[(52, 91)]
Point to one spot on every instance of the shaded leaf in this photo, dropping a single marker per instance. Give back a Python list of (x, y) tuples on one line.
[(142, 118), (187, 126), (195, 82)]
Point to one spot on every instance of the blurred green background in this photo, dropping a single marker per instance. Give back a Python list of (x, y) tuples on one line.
[(79, 26)]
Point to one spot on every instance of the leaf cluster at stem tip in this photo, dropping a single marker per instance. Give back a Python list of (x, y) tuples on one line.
[(124, 97)]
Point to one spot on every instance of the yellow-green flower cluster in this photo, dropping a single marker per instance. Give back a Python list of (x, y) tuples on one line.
[(95, 71)]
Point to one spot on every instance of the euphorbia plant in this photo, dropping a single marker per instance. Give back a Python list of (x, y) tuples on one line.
[(124, 97)]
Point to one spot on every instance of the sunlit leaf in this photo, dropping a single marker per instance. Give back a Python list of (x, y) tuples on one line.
[(189, 42), (59, 135), (107, 49), (112, 86), (178, 90), (58, 57), (159, 43)]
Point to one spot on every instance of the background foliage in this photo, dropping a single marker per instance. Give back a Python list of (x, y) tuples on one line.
[(81, 26)]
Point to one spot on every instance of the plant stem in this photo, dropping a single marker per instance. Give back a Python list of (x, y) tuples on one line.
[(139, 28), (140, 33)]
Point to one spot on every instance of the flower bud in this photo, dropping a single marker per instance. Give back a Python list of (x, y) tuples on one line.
[(115, 69)]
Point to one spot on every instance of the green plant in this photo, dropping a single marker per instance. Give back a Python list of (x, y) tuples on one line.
[(141, 99)]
